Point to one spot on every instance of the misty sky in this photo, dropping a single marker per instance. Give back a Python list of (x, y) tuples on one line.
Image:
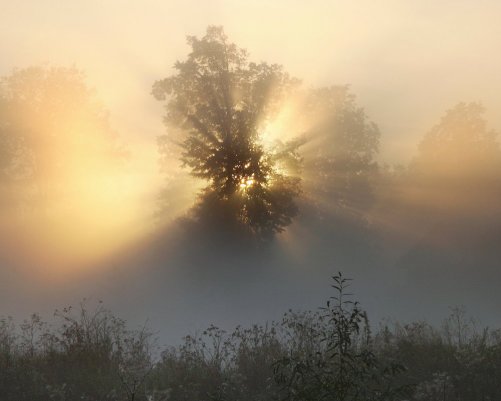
[(407, 61)]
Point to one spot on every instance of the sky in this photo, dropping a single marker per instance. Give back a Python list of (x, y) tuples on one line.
[(406, 61)]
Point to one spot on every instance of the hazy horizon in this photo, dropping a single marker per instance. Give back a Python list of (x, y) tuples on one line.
[(412, 250)]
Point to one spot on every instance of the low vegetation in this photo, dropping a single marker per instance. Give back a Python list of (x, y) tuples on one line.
[(328, 354)]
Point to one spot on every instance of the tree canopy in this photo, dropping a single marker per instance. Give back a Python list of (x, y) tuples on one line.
[(460, 146), (216, 107), (345, 144)]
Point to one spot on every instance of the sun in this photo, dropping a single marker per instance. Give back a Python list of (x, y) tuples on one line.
[(246, 183)]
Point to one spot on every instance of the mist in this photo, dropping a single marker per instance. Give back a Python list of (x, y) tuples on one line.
[(396, 119)]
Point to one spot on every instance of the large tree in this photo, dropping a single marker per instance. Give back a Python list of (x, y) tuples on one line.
[(216, 107)]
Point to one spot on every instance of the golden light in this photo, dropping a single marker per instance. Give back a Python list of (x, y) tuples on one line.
[(98, 208), (246, 183), (286, 124)]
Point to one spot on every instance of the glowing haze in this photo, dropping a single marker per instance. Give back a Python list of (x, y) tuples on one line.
[(407, 62)]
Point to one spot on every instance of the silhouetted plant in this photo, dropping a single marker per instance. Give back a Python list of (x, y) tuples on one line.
[(329, 354), (341, 365)]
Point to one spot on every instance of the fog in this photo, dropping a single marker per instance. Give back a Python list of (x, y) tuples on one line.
[(405, 90)]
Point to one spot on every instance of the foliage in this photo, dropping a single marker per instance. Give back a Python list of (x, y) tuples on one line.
[(340, 162), (216, 106), (460, 147), (90, 355), (341, 365), (327, 354)]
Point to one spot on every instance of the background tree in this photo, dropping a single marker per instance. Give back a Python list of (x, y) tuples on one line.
[(458, 166), (52, 130), (216, 106), (460, 147), (343, 146)]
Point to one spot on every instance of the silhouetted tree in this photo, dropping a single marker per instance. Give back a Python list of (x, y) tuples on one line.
[(216, 106)]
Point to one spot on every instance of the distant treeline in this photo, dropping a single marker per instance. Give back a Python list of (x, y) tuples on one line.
[(329, 354), (265, 149)]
